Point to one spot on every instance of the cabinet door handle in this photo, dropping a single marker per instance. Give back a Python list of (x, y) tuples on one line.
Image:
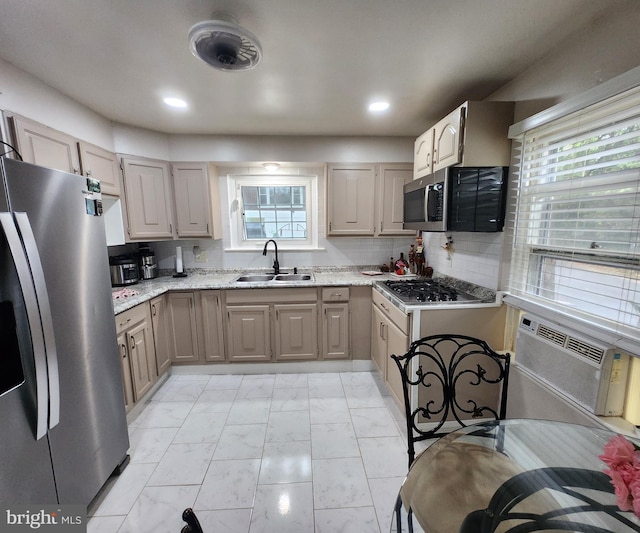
[(123, 350), (153, 309), (133, 344), (125, 322)]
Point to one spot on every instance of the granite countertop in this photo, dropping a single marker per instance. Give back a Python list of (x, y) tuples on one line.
[(132, 295)]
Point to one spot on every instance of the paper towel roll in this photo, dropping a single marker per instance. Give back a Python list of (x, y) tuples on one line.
[(179, 268)]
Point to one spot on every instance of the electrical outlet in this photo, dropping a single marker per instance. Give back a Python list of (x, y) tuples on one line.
[(201, 257)]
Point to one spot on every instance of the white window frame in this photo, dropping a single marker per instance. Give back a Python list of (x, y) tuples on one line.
[(530, 253), (235, 181)]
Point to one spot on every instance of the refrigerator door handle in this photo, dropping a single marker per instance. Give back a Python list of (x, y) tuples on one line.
[(46, 318), (33, 316)]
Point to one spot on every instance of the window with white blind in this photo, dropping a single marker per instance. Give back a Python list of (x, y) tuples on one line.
[(577, 218)]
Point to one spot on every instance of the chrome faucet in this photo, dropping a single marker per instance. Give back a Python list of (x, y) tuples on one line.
[(276, 265)]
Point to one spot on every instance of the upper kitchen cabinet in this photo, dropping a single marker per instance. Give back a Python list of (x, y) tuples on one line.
[(351, 199), (102, 165), (393, 178), (148, 199), (423, 154), (473, 134), (44, 146), (366, 199), (193, 198)]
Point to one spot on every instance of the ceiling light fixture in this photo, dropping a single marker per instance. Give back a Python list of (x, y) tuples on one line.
[(224, 44), (379, 106), (175, 102), (271, 167)]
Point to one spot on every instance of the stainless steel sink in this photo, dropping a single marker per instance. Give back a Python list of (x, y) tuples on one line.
[(264, 278), (249, 278), (292, 277)]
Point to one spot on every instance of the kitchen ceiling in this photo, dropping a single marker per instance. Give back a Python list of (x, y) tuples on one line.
[(323, 61)]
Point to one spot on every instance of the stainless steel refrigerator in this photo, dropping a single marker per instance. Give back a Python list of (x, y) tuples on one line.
[(63, 428)]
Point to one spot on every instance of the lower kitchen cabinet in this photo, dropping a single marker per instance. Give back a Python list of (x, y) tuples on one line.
[(248, 333), (390, 332), (161, 334), (135, 340), (183, 326), (296, 332), (335, 323), (211, 320)]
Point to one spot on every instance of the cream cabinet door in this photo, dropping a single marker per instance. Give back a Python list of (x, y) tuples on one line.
[(398, 344), (423, 155), (393, 178), (248, 333), (296, 331), (447, 141), (193, 200), (141, 358), (183, 327), (44, 146), (148, 199), (102, 165), (351, 199), (125, 363), (379, 340), (335, 334), (160, 334), (212, 325)]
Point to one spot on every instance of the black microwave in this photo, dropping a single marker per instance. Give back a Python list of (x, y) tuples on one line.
[(457, 199)]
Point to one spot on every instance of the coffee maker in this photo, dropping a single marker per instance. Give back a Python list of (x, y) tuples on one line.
[(147, 262)]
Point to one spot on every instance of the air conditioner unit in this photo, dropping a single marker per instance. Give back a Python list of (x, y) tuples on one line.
[(592, 374)]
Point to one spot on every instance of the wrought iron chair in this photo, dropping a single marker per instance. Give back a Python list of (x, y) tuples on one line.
[(570, 481), (448, 382), (193, 525)]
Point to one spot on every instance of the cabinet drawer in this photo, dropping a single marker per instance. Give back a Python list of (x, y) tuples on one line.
[(132, 316), (267, 296), (335, 294), (400, 319)]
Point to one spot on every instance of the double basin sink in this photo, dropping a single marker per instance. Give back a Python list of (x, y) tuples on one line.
[(275, 278)]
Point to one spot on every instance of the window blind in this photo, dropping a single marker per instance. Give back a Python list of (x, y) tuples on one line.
[(577, 214)]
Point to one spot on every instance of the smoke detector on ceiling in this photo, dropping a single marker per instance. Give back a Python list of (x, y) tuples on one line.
[(224, 44)]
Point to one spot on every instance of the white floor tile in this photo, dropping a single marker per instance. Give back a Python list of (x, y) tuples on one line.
[(290, 399), (374, 422), (159, 509), (201, 427), (340, 483), (333, 441), (255, 411), (285, 462), (354, 520), (284, 508), (224, 382), (357, 378), (165, 414), (256, 387), (105, 524), (147, 445), (224, 521), (229, 484), (181, 391), (127, 487), (214, 401), (384, 492), (329, 410), (359, 396), (288, 426), (241, 442), (183, 464), (383, 457), (291, 381)]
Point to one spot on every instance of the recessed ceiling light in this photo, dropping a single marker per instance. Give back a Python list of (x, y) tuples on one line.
[(175, 102), (379, 106)]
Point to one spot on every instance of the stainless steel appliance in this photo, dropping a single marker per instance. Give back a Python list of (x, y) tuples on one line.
[(147, 263), (123, 270), (457, 199), (426, 291), (62, 413), (425, 203)]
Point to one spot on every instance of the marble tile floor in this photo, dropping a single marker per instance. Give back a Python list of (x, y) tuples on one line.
[(317, 453)]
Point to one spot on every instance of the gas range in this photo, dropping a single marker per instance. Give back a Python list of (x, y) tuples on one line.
[(426, 291)]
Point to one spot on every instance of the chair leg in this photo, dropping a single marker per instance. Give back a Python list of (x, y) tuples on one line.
[(399, 514), (410, 520)]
